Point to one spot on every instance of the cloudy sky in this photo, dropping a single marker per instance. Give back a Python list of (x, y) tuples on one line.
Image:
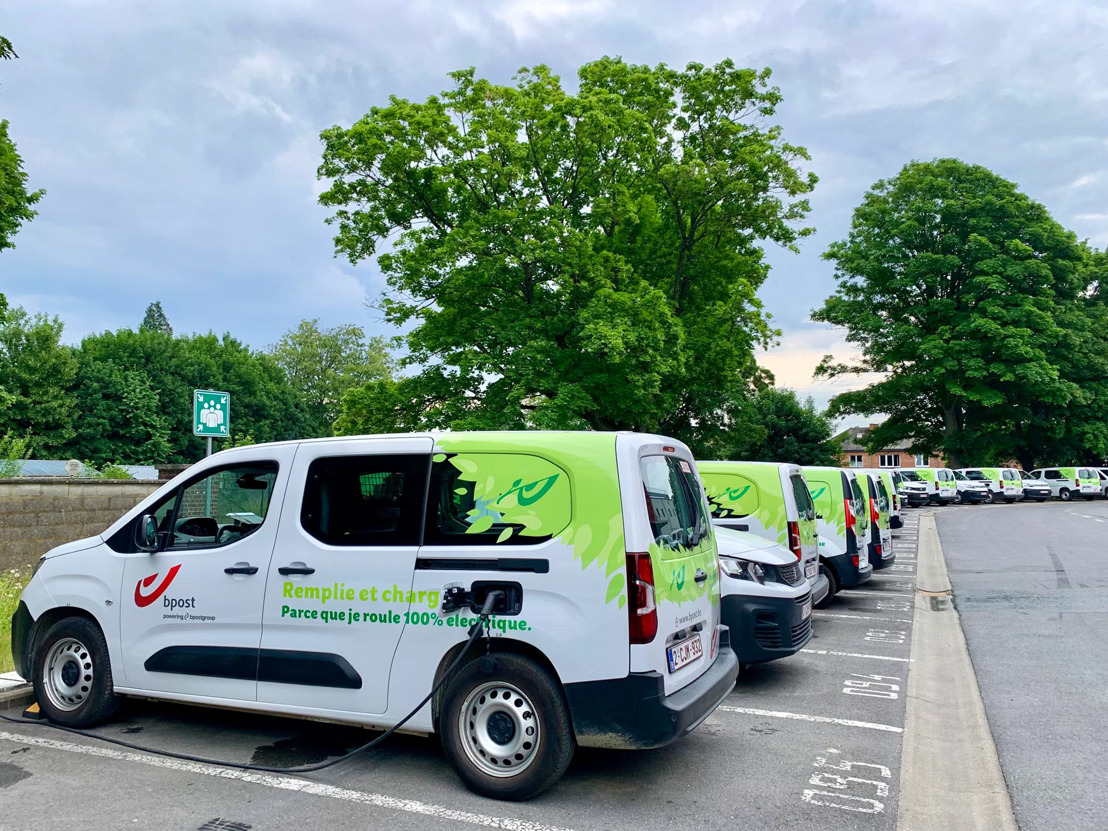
[(178, 141)]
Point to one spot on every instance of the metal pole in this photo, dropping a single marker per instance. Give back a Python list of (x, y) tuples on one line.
[(208, 485)]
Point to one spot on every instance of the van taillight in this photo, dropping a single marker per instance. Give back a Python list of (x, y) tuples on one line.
[(849, 514), (642, 613), (794, 539), (873, 516)]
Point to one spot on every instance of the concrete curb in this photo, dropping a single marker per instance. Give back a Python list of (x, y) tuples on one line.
[(19, 696), (950, 775)]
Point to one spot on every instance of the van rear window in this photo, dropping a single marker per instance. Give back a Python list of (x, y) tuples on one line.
[(804, 504), (673, 502)]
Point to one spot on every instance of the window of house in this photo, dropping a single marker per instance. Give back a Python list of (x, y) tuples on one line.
[(856, 460), (890, 460), (923, 461)]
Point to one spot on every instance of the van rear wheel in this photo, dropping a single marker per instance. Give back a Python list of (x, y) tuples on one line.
[(72, 675), (1065, 494), (506, 727)]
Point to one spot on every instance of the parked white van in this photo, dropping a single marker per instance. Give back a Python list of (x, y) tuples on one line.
[(338, 579), (1068, 482)]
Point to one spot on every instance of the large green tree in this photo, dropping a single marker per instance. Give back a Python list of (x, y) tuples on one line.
[(573, 260), (155, 319), (956, 288), (783, 428), (36, 371), (322, 365), (16, 202)]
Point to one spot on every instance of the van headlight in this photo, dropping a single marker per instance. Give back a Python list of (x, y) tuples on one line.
[(742, 569)]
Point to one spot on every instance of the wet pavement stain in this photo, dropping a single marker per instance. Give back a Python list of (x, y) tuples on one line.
[(131, 730), (303, 750), (10, 773)]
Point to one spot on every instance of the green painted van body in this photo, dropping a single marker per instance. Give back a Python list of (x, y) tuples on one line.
[(947, 489), (1086, 481)]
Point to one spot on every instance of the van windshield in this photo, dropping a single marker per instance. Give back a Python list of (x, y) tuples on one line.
[(910, 475), (976, 476), (673, 502), (804, 504)]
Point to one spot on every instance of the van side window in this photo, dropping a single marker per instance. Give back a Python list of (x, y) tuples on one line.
[(225, 505), (1052, 474), (673, 502), (365, 500), (490, 498)]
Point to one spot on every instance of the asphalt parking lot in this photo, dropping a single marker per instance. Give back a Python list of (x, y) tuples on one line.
[(812, 741)]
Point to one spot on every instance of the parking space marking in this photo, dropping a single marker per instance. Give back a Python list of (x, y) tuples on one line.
[(872, 593), (845, 722), (822, 613), (855, 655), (286, 783)]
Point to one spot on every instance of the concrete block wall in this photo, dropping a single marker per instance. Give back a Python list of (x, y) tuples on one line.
[(37, 514)]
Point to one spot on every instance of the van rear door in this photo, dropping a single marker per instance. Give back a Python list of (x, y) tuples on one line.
[(672, 564)]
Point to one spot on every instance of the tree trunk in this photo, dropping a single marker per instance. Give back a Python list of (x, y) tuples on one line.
[(952, 426)]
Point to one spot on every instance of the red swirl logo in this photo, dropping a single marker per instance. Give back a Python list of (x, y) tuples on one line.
[(142, 599)]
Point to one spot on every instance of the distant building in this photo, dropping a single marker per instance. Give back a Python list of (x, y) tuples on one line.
[(853, 440)]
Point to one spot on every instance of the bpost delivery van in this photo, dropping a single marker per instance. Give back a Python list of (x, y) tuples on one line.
[(843, 523), (1068, 482), (1002, 482), (880, 546), (337, 579), (771, 500), (911, 489), (942, 489), (889, 478), (766, 602), (971, 490)]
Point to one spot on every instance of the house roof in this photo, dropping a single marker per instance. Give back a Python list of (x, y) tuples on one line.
[(853, 441)]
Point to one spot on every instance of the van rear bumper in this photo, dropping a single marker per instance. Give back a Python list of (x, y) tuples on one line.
[(635, 713), (847, 573)]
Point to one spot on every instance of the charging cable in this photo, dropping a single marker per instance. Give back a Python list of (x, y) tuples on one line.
[(475, 631)]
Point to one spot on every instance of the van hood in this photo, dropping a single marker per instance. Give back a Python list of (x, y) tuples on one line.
[(76, 545), (747, 546)]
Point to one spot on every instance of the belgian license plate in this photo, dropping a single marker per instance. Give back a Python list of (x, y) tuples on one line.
[(806, 609), (684, 653), (863, 558), (810, 570)]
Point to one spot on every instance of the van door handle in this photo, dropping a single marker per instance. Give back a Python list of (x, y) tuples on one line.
[(701, 575), (241, 568), (287, 570)]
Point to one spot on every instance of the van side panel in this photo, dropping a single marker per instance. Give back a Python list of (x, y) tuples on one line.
[(572, 585), (750, 493)]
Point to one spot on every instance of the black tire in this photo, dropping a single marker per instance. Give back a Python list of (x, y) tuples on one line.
[(545, 705), (958, 498), (833, 586), (1065, 495), (990, 498), (75, 689)]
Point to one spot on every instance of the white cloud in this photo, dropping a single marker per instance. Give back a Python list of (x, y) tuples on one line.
[(794, 360)]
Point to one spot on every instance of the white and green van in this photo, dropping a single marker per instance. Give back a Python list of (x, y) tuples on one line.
[(338, 579), (842, 520), (880, 544), (942, 488), (1068, 482), (889, 477), (772, 500), (1002, 482)]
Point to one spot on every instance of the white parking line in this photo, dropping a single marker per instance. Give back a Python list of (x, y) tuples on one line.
[(872, 593), (846, 722), (286, 783), (862, 617), (856, 655)]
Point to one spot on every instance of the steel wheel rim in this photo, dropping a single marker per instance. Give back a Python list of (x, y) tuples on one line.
[(67, 674), (499, 729)]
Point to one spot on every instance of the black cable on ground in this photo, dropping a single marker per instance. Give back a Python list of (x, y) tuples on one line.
[(474, 633)]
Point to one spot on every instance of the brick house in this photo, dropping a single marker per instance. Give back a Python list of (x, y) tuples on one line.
[(854, 454)]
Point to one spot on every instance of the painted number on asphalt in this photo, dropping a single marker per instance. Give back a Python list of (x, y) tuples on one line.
[(886, 636), (901, 568), (847, 793), (872, 686), (894, 605)]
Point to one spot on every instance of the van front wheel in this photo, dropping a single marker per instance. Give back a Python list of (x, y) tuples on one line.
[(72, 675), (506, 728), (1065, 495)]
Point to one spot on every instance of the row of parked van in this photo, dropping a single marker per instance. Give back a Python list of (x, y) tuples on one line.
[(621, 583), (940, 485)]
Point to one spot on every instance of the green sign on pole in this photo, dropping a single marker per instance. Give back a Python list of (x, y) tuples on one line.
[(211, 413)]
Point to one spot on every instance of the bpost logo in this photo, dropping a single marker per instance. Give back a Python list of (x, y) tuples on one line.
[(735, 494), (142, 599), (531, 493)]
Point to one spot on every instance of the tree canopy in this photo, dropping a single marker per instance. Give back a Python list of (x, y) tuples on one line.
[(16, 202), (322, 365), (964, 294), (155, 320), (562, 260)]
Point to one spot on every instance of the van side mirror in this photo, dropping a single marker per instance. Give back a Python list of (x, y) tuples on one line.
[(146, 534)]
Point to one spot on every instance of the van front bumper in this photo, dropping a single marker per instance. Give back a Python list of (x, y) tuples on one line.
[(635, 713), (767, 628), (22, 624)]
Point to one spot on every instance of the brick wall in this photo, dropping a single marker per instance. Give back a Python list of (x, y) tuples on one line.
[(37, 514)]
